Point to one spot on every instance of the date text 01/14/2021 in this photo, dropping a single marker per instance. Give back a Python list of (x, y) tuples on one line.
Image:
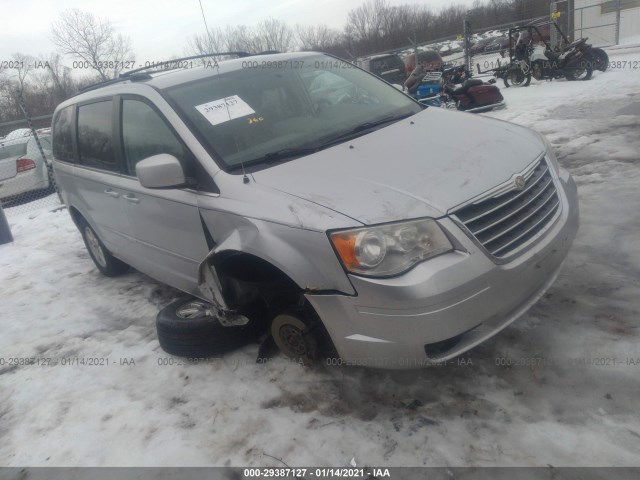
[(324, 472)]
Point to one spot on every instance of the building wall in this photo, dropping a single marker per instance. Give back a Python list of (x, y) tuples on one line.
[(596, 20)]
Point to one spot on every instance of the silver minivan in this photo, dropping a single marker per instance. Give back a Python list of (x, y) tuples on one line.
[(357, 222)]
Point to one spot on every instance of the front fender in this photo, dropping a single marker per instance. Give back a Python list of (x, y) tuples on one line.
[(305, 256)]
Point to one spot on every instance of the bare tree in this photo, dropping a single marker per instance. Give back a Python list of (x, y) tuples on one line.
[(57, 74), (214, 41), (367, 21), (93, 40), (22, 66), (316, 37), (275, 35)]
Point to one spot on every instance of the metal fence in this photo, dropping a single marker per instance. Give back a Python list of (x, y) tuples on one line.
[(605, 23), (27, 181), (600, 21)]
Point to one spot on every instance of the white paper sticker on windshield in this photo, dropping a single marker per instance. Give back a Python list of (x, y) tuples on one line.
[(225, 109)]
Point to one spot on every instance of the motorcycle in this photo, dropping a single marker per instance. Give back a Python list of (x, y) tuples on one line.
[(538, 60), (596, 56), (440, 89), (600, 59), (572, 64)]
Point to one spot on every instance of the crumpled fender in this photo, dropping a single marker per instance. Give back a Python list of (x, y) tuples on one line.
[(303, 255)]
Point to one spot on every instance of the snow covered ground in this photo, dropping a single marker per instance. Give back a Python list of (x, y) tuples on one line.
[(159, 411)]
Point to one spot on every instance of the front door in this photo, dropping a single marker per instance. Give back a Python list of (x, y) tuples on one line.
[(166, 222)]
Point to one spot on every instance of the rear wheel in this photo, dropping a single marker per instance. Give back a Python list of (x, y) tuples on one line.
[(106, 263), (600, 59), (580, 70)]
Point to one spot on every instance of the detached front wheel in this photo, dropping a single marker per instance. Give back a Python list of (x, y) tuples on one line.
[(190, 328)]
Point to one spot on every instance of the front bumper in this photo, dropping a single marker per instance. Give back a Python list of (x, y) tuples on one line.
[(462, 295)]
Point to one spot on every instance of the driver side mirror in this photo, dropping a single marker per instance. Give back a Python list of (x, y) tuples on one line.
[(160, 171)]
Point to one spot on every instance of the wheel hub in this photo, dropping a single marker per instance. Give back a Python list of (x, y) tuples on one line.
[(293, 339), (94, 246), (194, 309), (291, 335)]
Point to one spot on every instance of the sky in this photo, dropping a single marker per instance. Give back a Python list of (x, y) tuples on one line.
[(160, 29)]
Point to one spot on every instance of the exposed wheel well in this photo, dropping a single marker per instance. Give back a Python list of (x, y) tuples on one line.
[(76, 216), (244, 277)]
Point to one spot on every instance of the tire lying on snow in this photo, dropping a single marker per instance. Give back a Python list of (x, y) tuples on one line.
[(186, 330)]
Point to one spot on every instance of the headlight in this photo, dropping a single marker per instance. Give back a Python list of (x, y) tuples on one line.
[(550, 155), (390, 249)]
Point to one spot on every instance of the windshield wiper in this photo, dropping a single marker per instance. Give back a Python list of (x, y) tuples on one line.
[(362, 128), (293, 152), (278, 155)]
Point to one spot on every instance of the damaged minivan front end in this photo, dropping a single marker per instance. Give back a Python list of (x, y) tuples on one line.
[(351, 220)]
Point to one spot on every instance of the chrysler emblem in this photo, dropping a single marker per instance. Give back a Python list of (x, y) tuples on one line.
[(519, 182)]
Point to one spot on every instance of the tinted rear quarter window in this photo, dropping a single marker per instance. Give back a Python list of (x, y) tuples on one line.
[(95, 140), (62, 142)]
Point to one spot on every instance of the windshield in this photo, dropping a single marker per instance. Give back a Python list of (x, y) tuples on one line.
[(252, 114)]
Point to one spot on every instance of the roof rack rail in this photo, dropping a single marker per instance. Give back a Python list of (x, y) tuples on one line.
[(138, 74), (134, 78), (176, 60)]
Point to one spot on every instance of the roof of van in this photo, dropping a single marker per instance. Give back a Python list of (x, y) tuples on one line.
[(169, 78)]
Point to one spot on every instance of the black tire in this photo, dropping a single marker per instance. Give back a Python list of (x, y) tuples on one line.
[(600, 59), (205, 336), (578, 70), (102, 258), (517, 78)]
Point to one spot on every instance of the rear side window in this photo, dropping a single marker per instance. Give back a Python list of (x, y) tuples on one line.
[(13, 150), (62, 143), (145, 133), (95, 141), (385, 64)]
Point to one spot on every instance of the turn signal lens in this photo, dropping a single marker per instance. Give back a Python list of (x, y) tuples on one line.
[(345, 244)]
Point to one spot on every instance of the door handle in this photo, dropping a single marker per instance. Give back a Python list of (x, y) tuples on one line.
[(131, 198), (112, 193)]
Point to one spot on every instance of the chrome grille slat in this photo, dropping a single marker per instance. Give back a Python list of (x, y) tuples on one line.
[(506, 222), (522, 220), (506, 202), (519, 208), (546, 217)]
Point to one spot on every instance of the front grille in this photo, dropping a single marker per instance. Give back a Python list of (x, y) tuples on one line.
[(505, 222)]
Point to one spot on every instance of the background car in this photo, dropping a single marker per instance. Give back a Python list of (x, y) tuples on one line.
[(22, 167), (480, 45), (387, 67)]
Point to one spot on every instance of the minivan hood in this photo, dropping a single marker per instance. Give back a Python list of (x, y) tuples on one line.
[(419, 167)]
